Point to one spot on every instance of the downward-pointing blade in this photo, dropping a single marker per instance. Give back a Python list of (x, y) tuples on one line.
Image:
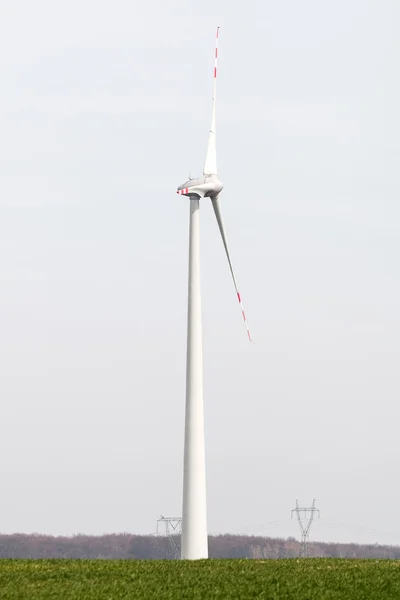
[(217, 210)]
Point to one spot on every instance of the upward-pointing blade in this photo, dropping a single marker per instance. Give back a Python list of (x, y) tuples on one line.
[(217, 210), (210, 165)]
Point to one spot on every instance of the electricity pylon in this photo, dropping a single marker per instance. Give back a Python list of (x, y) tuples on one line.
[(305, 517), (173, 534)]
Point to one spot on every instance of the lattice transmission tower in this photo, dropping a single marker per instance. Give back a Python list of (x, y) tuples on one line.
[(172, 532), (305, 517)]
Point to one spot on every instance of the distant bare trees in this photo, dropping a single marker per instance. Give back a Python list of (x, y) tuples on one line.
[(128, 546)]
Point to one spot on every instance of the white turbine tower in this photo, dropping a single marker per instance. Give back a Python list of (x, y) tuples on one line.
[(194, 543)]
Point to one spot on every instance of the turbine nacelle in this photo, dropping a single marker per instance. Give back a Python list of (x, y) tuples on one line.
[(208, 186)]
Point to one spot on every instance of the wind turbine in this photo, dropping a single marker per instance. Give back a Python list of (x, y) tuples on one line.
[(194, 542)]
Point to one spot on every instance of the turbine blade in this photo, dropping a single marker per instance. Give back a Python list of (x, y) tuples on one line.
[(217, 210), (210, 165)]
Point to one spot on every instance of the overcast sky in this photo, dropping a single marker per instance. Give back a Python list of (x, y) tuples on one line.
[(104, 111)]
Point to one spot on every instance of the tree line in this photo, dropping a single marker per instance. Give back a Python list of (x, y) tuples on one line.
[(129, 546)]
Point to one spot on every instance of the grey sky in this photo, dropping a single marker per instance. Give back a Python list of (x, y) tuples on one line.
[(103, 112)]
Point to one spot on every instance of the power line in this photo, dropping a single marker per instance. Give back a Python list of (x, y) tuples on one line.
[(305, 517)]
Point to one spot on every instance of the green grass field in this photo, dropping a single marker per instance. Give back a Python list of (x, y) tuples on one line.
[(307, 579)]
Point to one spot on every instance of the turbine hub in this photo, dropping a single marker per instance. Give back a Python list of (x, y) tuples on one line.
[(208, 186)]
